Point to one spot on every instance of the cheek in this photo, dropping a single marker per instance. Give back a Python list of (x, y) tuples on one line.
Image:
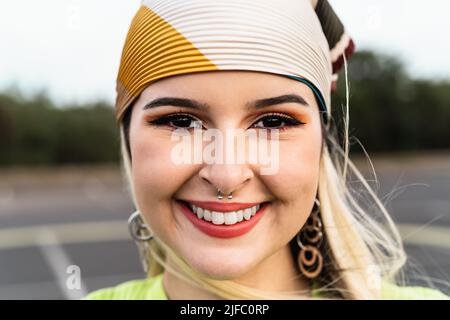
[(294, 187), (156, 178), (298, 171), (150, 165)]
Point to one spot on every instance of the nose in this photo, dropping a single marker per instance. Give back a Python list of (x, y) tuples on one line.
[(226, 177)]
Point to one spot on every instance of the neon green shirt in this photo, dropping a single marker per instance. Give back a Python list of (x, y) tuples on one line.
[(152, 289)]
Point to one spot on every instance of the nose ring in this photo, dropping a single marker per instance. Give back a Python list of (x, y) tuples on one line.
[(220, 195)]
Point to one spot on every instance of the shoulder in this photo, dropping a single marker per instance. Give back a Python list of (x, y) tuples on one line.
[(140, 289), (391, 291)]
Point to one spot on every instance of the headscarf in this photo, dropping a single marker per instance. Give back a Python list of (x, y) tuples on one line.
[(301, 39)]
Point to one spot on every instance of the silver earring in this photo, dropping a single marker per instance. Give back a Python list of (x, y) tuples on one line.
[(141, 236), (137, 228)]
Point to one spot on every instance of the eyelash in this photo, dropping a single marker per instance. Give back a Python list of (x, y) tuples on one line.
[(289, 121)]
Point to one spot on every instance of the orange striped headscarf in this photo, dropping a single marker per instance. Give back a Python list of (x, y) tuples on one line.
[(301, 39)]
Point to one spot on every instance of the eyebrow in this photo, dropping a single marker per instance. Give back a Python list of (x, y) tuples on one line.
[(257, 104), (287, 98)]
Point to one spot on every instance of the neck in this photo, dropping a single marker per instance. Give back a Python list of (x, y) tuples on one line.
[(276, 273)]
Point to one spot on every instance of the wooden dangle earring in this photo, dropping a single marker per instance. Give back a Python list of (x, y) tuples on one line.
[(310, 258)]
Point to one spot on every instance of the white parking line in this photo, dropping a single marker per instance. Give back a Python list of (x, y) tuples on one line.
[(425, 235), (116, 230), (65, 233), (59, 261)]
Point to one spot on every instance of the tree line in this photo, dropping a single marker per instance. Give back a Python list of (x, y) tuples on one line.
[(389, 111)]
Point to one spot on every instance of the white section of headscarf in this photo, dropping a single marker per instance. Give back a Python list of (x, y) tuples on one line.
[(277, 36)]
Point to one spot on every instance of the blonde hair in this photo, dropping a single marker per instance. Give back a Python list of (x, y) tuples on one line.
[(364, 247)]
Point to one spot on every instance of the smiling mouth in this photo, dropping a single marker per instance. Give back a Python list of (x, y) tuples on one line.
[(228, 218)]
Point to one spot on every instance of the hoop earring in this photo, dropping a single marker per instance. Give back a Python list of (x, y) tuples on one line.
[(141, 235), (137, 228), (310, 260)]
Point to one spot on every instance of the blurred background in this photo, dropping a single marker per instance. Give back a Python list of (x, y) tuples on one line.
[(64, 203)]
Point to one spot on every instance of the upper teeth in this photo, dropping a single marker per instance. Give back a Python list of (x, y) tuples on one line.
[(230, 217)]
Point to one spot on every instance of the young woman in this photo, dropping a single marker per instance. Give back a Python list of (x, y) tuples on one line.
[(227, 230)]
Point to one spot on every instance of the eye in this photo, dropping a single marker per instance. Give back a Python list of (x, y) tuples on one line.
[(277, 121), (178, 120)]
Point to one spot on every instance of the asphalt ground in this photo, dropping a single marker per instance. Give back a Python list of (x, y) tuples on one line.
[(54, 218)]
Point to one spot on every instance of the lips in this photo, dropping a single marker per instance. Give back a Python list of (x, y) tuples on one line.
[(222, 207), (223, 230)]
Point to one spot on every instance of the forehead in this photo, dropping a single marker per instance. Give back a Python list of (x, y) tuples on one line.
[(219, 84)]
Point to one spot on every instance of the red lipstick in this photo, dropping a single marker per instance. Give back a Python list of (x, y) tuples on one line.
[(223, 230)]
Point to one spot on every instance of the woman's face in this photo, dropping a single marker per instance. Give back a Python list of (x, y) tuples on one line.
[(228, 100)]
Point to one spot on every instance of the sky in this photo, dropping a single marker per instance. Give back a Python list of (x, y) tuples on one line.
[(72, 48)]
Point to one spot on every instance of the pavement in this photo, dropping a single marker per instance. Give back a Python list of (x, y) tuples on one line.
[(56, 223)]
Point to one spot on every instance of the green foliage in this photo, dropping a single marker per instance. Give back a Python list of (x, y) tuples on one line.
[(389, 111), (34, 131)]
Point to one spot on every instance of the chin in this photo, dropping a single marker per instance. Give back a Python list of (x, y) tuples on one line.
[(221, 266)]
